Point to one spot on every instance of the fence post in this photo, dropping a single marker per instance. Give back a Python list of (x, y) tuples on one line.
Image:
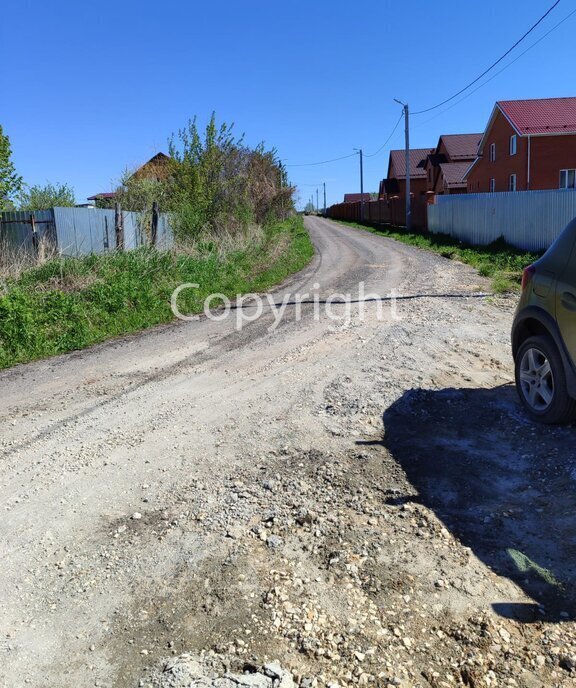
[(154, 228), (119, 227), (35, 243)]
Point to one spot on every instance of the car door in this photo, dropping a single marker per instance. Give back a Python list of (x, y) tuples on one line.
[(566, 304)]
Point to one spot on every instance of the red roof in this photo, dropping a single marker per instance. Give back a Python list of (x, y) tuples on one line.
[(106, 194), (417, 159), (541, 116), (454, 173), (355, 197), (461, 146)]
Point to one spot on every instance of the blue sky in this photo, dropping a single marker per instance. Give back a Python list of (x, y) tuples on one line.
[(89, 89)]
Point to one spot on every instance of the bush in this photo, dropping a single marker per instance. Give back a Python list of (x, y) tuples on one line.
[(48, 196), (71, 303)]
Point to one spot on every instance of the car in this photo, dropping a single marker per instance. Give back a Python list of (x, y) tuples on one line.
[(544, 333)]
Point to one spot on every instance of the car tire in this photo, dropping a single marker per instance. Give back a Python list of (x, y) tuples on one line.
[(541, 381)]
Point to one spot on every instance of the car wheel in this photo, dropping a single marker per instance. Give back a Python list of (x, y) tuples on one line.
[(541, 382)]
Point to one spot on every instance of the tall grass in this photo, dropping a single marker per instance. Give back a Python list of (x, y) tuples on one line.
[(499, 260), (71, 303)]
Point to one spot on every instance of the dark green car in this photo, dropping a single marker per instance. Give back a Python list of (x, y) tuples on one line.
[(544, 333)]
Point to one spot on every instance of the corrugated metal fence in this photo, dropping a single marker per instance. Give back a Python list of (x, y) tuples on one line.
[(75, 231), (21, 232), (530, 220)]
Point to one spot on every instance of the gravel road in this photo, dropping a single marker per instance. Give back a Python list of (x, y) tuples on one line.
[(352, 501)]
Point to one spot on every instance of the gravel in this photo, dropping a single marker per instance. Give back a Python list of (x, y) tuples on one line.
[(333, 504)]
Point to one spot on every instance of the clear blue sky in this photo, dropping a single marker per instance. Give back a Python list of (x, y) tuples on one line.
[(89, 89)]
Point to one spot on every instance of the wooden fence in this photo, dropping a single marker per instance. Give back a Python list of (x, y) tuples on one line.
[(388, 212)]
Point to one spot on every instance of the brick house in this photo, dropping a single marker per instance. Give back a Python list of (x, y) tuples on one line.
[(528, 145), (393, 188), (447, 165), (356, 197)]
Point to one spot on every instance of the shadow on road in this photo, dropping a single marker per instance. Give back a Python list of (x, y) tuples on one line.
[(503, 485)]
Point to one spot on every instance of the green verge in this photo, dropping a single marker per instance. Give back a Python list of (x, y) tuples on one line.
[(500, 261), (71, 303)]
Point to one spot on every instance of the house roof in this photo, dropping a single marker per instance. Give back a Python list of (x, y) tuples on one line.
[(454, 173), (355, 197), (461, 146), (417, 160), (541, 116), (159, 158), (106, 194), (436, 158)]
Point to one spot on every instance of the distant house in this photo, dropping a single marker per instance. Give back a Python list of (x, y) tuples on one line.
[(447, 166), (356, 197), (393, 188), (156, 168), (527, 145), (395, 182)]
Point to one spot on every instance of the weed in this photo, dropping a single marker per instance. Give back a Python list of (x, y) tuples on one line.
[(500, 261), (72, 303)]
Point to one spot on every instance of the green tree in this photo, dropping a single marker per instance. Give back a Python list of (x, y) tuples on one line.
[(48, 196), (218, 184), (10, 182)]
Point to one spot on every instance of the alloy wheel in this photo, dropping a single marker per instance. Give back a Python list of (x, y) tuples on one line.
[(536, 379)]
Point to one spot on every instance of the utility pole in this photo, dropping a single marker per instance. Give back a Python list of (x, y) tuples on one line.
[(361, 183), (317, 205), (407, 144), (324, 183)]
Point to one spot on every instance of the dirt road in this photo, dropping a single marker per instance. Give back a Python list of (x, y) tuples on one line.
[(361, 500)]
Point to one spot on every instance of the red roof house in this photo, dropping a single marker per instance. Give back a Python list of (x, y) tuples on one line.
[(527, 145), (393, 188), (446, 167), (356, 197)]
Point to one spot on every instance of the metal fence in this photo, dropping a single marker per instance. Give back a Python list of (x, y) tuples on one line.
[(392, 211), (23, 232), (529, 220), (75, 231)]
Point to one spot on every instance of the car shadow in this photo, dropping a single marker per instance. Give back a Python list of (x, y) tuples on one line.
[(503, 485)]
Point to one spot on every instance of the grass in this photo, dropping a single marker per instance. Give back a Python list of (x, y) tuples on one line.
[(525, 565), (499, 261), (71, 303)]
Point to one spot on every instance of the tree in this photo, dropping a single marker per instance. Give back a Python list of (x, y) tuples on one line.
[(49, 196), (10, 182), (219, 184)]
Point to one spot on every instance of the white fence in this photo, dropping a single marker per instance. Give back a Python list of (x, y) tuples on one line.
[(529, 220)]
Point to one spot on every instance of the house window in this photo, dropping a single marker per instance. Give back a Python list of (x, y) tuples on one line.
[(492, 185), (492, 152), (568, 179), (512, 183), (513, 144)]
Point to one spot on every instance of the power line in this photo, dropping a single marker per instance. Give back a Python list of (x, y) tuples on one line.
[(434, 107), (447, 100), (500, 70), (388, 139), (322, 162)]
